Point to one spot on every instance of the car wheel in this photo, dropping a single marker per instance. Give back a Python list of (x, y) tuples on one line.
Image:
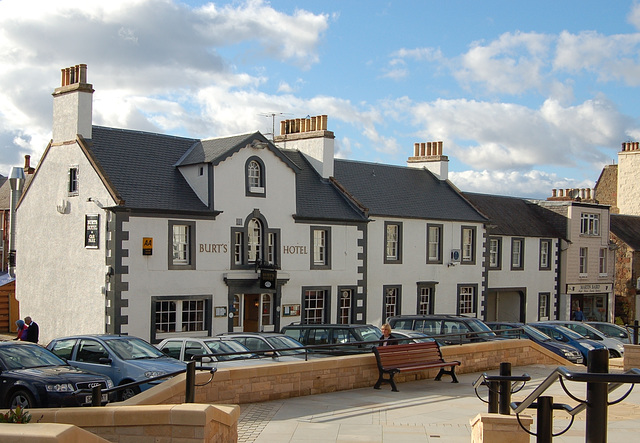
[(127, 393), (614, 354), (21, 398)]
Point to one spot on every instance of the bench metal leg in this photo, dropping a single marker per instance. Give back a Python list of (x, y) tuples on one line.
[(451, 372), (389, 380)]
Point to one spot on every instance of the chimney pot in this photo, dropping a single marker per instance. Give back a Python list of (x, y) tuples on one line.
[(554, 192), (416, 149), (440, 148)]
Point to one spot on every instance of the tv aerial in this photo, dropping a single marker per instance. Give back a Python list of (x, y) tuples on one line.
[(273, 122)]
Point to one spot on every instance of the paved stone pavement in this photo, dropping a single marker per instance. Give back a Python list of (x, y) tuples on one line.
[(423, 411)]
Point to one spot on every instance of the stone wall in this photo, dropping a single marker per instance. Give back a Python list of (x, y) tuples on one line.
[(278, 381), (631, 357), (183, 423)]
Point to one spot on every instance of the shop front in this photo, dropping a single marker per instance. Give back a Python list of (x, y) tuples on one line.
[(593, 299)]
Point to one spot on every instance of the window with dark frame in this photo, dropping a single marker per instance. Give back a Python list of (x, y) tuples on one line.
[(545, 254), (393, 242), (466, 299), (468, 235), (517, 254), (391, 301), (495, 252), (434, 243), (315, 306), (320, 247), (182, 240), (73, 181)]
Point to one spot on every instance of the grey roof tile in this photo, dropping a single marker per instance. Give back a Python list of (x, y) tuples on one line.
[(396, 191), (140, 165), (513, 216)]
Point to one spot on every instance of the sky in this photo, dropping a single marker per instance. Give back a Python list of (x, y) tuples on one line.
[(526, 96)]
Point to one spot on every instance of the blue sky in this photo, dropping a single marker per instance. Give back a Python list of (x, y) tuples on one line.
[(525, 96)]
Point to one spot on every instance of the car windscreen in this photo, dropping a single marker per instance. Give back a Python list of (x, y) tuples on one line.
[(27, 356), (571, 334), (281, 342), (130, 348), (223, 347), (478, 326), (370, 333), (536, 334)]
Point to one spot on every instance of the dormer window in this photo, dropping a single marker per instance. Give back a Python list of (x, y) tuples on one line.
[(255, 177)]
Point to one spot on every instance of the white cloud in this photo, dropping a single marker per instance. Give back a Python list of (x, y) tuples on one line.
[(533, 184), (150, 61), (495, 136)]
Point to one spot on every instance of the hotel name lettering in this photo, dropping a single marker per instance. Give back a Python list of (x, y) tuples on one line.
[(223, 248)]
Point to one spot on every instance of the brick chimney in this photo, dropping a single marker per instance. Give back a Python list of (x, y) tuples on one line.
[(72, 105), (309, 136), (429, 156)]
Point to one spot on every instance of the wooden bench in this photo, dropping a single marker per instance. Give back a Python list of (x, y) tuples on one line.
[(411, 357)]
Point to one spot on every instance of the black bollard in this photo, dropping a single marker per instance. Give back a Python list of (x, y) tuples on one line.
[(505, 389), (635, 332), (597, 397), (190, 393), (96, 396), (544, 431)]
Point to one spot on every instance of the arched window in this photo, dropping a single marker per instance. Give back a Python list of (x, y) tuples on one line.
[(254, 174), (255, 177), (255, 240)]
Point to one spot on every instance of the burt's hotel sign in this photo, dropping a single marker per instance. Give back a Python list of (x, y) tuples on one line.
[(589, 288)]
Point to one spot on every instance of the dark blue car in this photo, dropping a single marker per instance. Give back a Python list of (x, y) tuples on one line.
[(512, 330), (124, 359), (566, 335), (33, 377)]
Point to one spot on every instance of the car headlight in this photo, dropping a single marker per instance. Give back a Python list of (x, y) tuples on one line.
[(588, 346), (109, 384), (151, 374), (60, 387)]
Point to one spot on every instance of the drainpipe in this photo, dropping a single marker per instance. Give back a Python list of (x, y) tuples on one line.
[(16, 181)]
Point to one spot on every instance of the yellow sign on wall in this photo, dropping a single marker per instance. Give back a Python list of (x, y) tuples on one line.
[(147, 245)]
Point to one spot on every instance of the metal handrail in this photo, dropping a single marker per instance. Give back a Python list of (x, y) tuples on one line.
[(615, 380)]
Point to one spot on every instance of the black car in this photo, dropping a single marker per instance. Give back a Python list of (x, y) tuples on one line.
[(520, 330), (450, 329), (331, 334), (33, 377)]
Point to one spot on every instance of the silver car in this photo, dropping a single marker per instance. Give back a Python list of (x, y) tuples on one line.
[(615, 346)]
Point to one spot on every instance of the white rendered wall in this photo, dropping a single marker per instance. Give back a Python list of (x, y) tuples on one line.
[(59, 281), (414, 268)]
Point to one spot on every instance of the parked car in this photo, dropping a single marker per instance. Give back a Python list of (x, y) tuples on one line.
[(185, 349), (331, 334), (411, 336), (268, 341), (33, 377), (565, 335), (615, 346), (462, 329), (610, 330), (512, 330), (124, 359)]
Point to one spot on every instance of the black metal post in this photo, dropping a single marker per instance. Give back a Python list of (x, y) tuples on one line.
[(494, 386), (635, 332), (190, 393), (597, 397), (96, 396), (505, 389), (544, 430)]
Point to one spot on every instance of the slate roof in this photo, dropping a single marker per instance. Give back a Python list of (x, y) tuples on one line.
[(512, 216), (318, 198), (396, 191), (140, 166), (627, 229), (142, 169)]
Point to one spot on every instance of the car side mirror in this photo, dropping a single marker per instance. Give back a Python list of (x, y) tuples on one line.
[(104, 360)]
